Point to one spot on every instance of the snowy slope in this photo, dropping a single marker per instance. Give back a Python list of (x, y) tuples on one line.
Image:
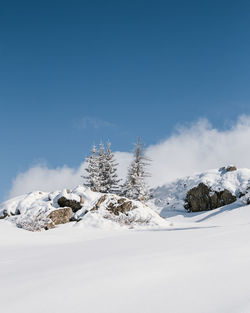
[(192, 263), (183, 268), (170, 197)]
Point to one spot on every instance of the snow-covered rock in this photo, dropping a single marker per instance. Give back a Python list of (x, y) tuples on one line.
[(60, 216), (92, 209), (71, 203), (203, 198), (37, 210), (171, 196), (123, 212)]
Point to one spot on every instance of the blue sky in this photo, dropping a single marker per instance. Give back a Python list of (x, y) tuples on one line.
[(75, 72)]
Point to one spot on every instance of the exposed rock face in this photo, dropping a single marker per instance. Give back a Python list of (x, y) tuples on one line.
[(81, 200), (230, 168), (17, 212), (99, 202), (73, 204), (4, 214), (123, 205), (115, 205), (202, 198), (48, 226), (60, 216)]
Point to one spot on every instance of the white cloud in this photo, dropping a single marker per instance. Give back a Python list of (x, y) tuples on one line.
[(92, 122), (40, 177), (190, 149), (200, 147)]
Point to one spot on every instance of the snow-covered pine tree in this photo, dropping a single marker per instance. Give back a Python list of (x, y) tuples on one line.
[(135, 186), (112, 181), (102, 168), (92, 178), (107, 170)]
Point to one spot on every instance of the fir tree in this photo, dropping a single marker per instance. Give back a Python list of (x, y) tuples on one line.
[(135, 186), (92, 177), (102, 170), (107, 170), (112, 181)]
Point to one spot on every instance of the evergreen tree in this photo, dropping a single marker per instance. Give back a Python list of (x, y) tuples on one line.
[(107, 170), (135, 186), (92, 177), (112, 181), (102, 170)]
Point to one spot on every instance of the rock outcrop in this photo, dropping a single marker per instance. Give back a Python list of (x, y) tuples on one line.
[(229, 168), (3, 214), (202, 198), (123, 205), (73, 204), (115, 205), (123, 211), (60, 216), (38, 210), (99, 202)]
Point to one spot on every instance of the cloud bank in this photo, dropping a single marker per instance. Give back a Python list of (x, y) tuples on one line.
[(190, 149), (200, 147), (40, 177)]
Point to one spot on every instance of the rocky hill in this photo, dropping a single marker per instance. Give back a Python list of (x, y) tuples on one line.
[(41, 210), (201, 192)]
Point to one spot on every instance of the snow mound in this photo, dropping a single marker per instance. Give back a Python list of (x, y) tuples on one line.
[(171, 196), (137, 215), (31, 211)]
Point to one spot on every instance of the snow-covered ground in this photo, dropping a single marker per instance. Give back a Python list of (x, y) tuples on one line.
[(190, 263), (200, 264)]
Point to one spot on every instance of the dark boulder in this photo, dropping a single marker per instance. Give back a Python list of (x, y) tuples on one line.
[(3, 214), (73, 204), (202, 198)]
